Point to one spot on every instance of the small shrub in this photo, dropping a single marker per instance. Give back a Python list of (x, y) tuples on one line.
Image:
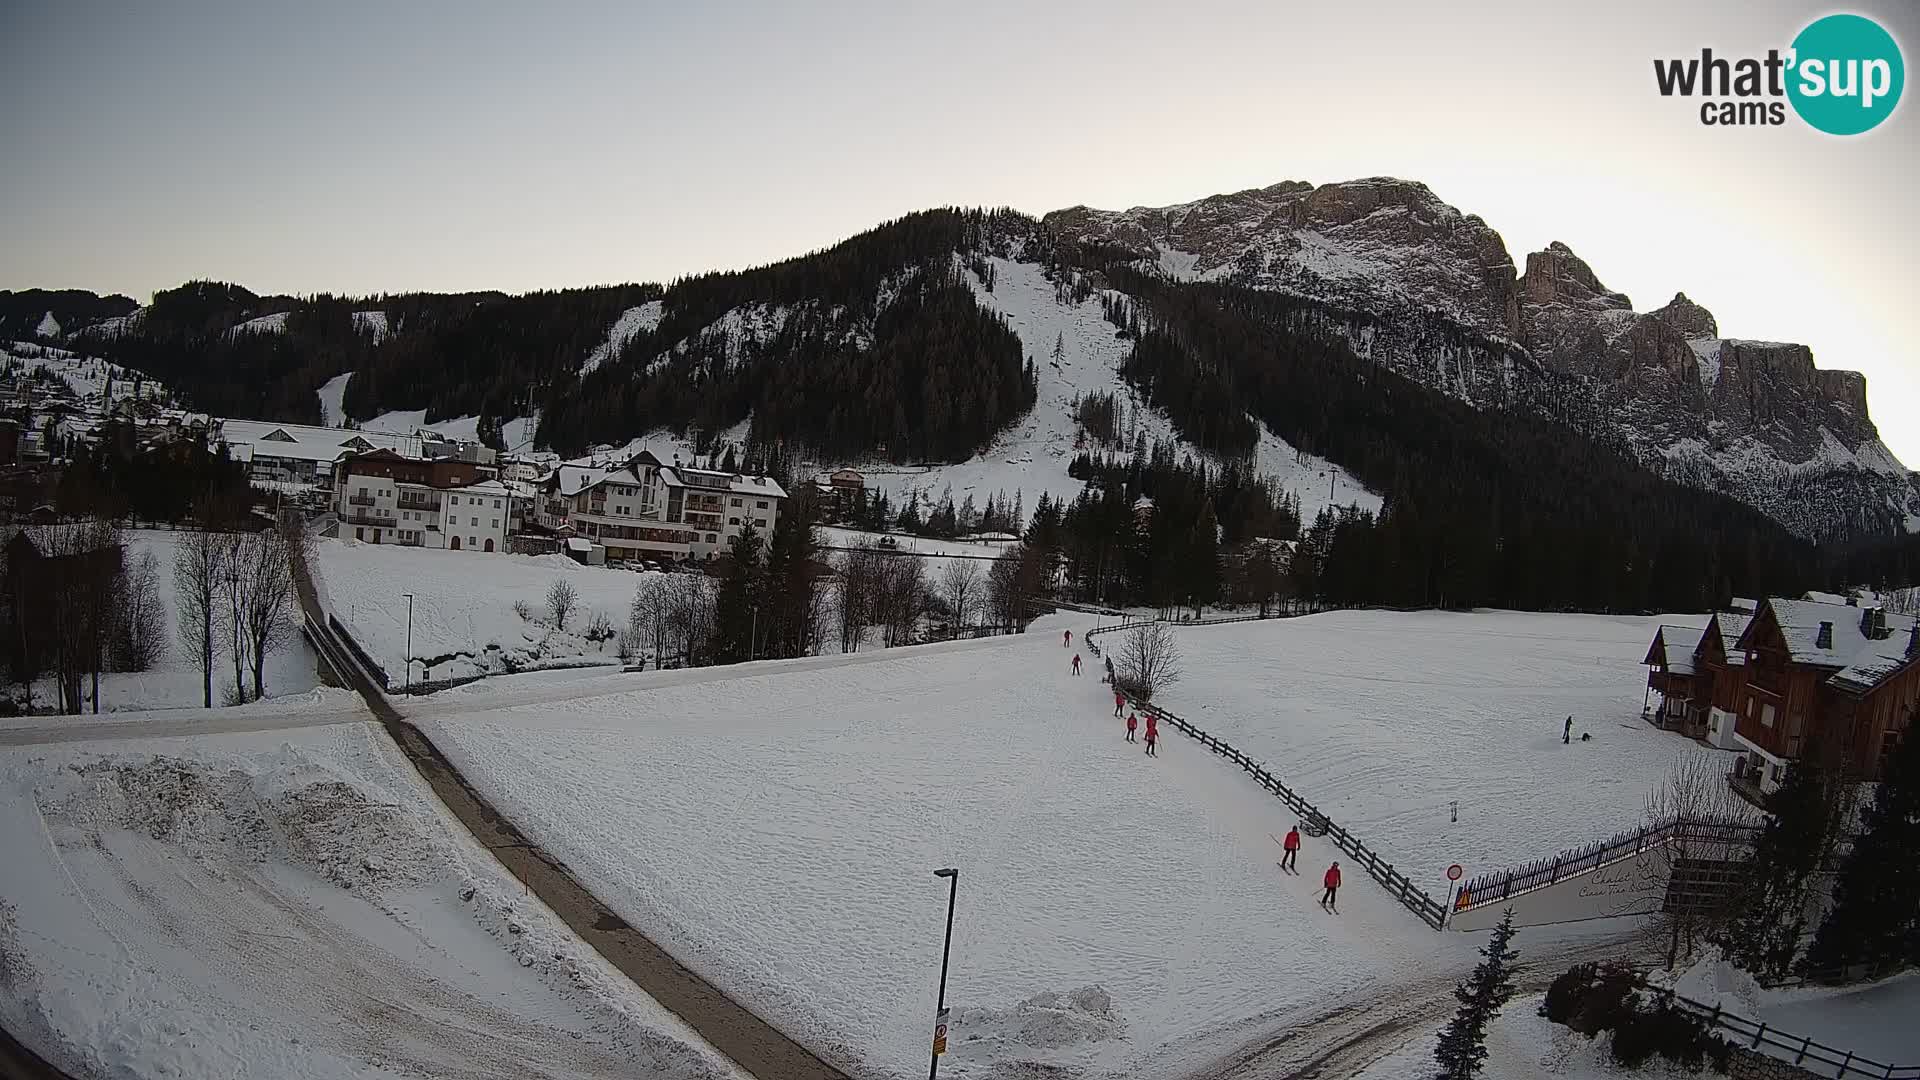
[(562, 599), (521, 608), (599, 628)]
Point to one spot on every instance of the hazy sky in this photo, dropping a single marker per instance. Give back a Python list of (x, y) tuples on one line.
[(358, 149)]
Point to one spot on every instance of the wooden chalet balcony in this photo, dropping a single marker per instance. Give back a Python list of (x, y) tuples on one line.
[(360, 500), (417, 503)]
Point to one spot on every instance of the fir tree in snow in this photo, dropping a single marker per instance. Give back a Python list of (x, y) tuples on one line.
[(1059, 349), (1462, 1049), (1765, 936), (1875, 920)]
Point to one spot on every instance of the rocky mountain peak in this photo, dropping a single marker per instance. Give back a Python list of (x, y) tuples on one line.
[(1688, 319), (1558, 276)]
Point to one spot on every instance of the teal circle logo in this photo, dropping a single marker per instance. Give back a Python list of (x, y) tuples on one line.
[(1847, 74)]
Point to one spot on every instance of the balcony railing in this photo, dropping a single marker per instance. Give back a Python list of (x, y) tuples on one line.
[(418, 504), (360, 500), (369, 519)]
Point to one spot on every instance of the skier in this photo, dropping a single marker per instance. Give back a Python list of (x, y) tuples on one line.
[(1066, 638), (1109, 669), (1290, 850), (1332, 882), (1076, 663), (1132, 720), (1119, 702), (1153, 735), (1566, 733)]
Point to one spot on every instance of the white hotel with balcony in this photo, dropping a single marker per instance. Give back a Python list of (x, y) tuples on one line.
[(645, 510)]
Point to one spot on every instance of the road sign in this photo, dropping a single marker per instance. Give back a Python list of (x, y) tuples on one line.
[(1454, 872), (940, 1033)]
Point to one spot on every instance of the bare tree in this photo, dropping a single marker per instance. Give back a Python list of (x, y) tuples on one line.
[(690, 613), (900, 598), (199, 565), (140, 634), (1012, 581), (562, 599), (650, 618), (1148, 660), (1695, 798), (235, 596), (960, 587), (860, 571), (72, 597), (265, 563)]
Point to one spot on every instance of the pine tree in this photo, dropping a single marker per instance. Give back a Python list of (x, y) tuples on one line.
[(1765, 936), (1875, 920), (792, 600), (1463, 1043), (737, 607)]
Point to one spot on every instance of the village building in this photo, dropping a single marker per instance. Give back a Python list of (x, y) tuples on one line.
[(1834, 673), (643, 510), (383, 497)]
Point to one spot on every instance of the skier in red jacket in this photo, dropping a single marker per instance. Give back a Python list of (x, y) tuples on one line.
[(1132, 720), (1290, 850), (1332, 882), (1119, 702), (1153, 735)]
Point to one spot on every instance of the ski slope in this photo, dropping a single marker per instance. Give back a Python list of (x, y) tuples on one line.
[(1383, 719), (1032, 456), (290, 905), (776, 826)]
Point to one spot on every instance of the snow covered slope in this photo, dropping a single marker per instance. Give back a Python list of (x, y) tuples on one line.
[(632, 322), (291, 905), (1032, 456), (776, 826), (87, 376), (331, 392), (1384, 719)]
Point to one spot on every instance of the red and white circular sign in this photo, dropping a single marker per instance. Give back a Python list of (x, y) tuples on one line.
[(1454, 872)]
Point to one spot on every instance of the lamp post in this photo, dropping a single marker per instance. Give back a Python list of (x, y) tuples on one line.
[(409, 678), (940, 1014)]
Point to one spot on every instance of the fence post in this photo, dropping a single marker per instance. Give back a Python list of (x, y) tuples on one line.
[(1845, 1065), (1758, 1034), (1802, 1055)]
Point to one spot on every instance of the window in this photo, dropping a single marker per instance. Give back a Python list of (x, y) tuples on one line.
[(760, 523), (1766, 716), (736, 502), (733, 521), (472, 541), (363, 490), (475, 522), (496, 523), (496, 504), (761, 505), (711, 539)]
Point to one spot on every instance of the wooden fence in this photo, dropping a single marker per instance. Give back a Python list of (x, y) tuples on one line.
[(1499, 886), (1804, 1052)]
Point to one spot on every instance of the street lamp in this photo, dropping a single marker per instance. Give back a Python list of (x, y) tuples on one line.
[(409, 678), (940, 1014)]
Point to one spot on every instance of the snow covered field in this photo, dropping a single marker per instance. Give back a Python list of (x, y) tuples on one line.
[(175, 682), (463, 617), (290, 905), (1382, 719), (777, 826)]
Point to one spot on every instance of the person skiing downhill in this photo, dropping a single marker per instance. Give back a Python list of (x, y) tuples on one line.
[(1109, 669), (1566, 733), (1290, 850), (1076, 663), (1119, 702), (1332, 882), (1132, 720), (1153, 735), (1066, 638)]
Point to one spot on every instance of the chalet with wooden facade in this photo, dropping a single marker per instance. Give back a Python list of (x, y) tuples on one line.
[(1843, 675), (1833, 671)]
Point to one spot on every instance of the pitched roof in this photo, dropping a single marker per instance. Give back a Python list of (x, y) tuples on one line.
[(1861, 662), (1673, 648), (1731, 625)]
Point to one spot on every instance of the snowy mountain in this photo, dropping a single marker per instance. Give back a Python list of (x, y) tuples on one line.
[(1756, 420)]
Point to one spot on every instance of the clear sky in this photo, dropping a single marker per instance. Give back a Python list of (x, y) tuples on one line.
[(361, 148)]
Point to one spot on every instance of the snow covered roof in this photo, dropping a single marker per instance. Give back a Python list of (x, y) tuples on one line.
[(579, 543), (1731, 626), (482, 487), (1824, 597), (1830, 635), (304, 442), (1877, 661), (1673, 648)]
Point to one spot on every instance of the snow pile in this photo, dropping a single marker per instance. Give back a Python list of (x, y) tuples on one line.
[(632, 322), (1384, 720), (776, 826), (291, 906), (1873, 1021), (1523, 1045), (464, 621)]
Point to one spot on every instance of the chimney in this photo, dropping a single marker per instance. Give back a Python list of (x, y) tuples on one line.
[(1824, 640)]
